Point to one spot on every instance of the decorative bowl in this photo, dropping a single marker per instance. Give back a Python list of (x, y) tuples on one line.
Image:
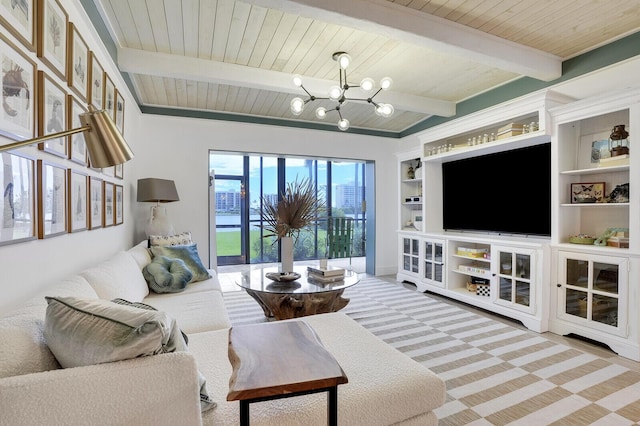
[(582, 239), (282, 276)]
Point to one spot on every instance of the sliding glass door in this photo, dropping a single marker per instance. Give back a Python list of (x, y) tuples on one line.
[(242, 182)]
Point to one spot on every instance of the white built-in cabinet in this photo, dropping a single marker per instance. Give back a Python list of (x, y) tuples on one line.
[(549, 284)]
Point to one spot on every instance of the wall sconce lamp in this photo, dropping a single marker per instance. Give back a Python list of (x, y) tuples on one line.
[(105, 145), (158, 191)]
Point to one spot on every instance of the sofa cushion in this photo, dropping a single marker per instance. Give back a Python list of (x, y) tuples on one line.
[(181, 239), (195, 312), (189, 254), (140, 254), (83, 332), (167, 275), (119, 276), (23, 349)]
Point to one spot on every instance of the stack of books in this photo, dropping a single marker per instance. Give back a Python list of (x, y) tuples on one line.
[(330, 274)]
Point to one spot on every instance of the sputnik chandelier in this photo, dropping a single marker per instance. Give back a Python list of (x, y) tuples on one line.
[(339, 94)]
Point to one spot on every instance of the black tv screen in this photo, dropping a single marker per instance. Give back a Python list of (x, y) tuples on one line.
[(507, 192)]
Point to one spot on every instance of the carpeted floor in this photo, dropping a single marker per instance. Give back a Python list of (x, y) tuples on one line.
[(496, 374)]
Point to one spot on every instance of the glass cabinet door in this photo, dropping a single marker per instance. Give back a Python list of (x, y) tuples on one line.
[(591, 288), (515, 280), (410, 254), (433, 271)]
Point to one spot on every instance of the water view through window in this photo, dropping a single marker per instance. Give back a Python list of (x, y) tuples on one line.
[(243, 181)]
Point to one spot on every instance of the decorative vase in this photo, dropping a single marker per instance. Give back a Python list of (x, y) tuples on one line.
[(286, 254)]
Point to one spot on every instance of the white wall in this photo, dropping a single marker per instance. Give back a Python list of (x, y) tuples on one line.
[(178, 149)]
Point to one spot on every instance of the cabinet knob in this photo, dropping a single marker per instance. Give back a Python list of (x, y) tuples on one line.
[(558, 285)]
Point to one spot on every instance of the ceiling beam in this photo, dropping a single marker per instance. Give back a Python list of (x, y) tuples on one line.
[(177, 66), (422, 29)]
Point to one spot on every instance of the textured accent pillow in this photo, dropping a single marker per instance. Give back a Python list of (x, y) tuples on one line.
[(181, 239), (167, 275), (189, 255), (83, 332)]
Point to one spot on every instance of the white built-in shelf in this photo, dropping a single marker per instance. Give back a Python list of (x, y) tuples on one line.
[(596, 205), (597, 170)]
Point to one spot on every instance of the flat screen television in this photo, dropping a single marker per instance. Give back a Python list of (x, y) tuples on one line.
[(506, 193)]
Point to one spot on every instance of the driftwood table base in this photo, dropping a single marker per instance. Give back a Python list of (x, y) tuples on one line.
[(286, 306), (298, 298)]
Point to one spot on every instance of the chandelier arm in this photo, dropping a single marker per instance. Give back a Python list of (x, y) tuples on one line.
[(306, 91), (378, 91)]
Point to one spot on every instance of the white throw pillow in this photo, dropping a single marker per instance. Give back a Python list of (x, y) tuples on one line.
[(120, 277)]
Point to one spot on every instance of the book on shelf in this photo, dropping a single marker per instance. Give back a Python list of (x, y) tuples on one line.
[(322, 279), (329, 271)]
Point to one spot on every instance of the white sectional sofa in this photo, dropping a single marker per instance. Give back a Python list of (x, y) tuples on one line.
[(385, 387)]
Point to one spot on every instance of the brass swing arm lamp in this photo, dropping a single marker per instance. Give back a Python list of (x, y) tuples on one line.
[(105, 145)]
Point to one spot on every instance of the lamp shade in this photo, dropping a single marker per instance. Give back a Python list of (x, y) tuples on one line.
[(105, 145), (157, 190)]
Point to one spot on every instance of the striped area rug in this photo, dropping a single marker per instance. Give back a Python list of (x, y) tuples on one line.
[(496, 374)]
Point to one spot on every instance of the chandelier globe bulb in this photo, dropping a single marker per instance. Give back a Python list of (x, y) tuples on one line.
[(367, 84), (297, 80), (386, 83), (321, 113), (344, 60), (297, 106), (335, 93), (343, 124)]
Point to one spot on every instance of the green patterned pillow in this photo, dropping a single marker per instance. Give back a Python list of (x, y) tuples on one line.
[(189, 255), (167, 275)]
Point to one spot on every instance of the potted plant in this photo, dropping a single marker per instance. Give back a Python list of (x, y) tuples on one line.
[(298, 207)]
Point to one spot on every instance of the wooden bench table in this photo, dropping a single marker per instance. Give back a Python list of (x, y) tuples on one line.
[(280, 360)]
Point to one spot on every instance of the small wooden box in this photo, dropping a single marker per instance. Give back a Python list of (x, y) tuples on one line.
[(513, 129)]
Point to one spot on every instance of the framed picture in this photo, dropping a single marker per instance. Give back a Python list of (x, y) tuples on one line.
[(95, 202), (108, 213), (118, 204), (52, 116), (108, 97), (587, 192), (18, 213), (119, 120), (77, 63), (17, 115), (118, 171), (108, 171), (96, 77), (53, 25), (52, 200), (599, 150), (77, 148), (77, 201), (19, 18)]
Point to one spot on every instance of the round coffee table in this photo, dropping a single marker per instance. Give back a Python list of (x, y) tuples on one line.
[(285, 300)]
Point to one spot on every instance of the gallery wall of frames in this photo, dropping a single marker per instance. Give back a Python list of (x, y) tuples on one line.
[(49, 76)]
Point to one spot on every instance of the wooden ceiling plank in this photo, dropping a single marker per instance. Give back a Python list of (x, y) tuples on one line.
[(249, 101), (324, 66), (256, 19), (319, 48), (181, 93), (224, 15), (278, 39), (173, 14), (191, 26), (114, 29), (292, 43), (238, 28), (126, 23), (221, 101), (142, 25), (160, 90), (203, 91), (230, 101), (212, 96), (171, 91), (479, 13), (145, 90), (258, 104), (206, 26), (269, 27), (158, 21), (306, 44)]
